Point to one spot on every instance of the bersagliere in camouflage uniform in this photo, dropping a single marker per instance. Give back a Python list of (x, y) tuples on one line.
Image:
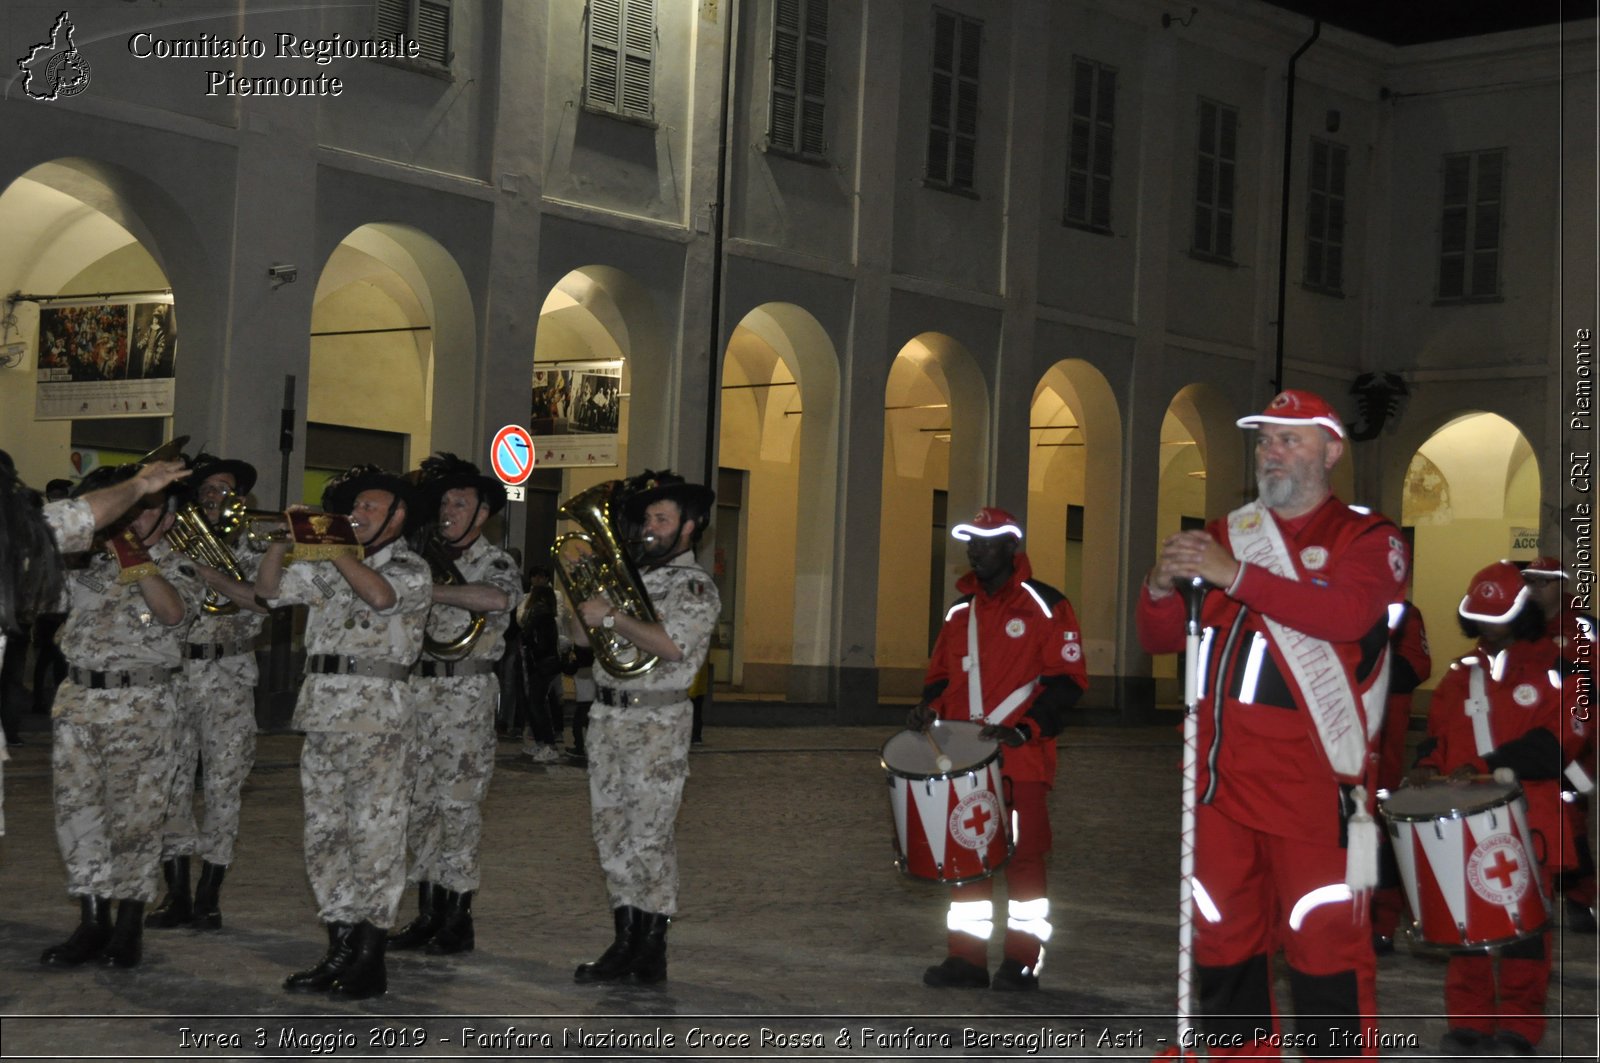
[(356, 711), (112, 747), (639, 726), (455, 702), (216, 724)]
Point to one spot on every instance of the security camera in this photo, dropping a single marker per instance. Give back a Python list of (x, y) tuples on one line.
[(283, 274)]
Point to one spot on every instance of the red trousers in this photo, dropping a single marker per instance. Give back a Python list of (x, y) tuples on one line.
[(1024, 872), (1520, 979), (1256, 893)]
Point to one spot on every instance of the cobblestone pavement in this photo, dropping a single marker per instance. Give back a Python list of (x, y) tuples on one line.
[(794, 922)]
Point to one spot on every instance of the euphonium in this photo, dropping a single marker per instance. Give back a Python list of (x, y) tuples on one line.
[(190, 534), (445, 571), (593, 564)]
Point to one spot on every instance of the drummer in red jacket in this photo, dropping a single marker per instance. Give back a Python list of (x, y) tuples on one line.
[(1009, 656), (1500, 707)]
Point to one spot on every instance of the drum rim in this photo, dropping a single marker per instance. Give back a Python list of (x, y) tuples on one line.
[(903, 864), (1511, 796), (954, 772), (1417, 941)]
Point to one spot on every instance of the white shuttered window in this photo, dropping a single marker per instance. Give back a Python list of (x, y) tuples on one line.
[(619, 75)]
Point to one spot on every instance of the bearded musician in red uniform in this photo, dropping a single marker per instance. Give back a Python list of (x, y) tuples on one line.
[(1294, 668), (1010, 656)]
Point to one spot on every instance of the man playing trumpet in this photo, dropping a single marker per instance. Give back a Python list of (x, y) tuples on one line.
[(455, 691), (364, 630), (216, 719)]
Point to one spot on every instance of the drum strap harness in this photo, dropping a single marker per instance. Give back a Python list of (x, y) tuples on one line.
[(1326, 687), (1009, 703), (1477, 707)]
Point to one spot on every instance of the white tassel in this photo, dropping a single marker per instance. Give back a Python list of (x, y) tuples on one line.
[(1361, 852)]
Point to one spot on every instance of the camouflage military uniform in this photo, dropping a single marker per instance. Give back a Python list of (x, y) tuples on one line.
[(71, 523), (639, 754), (353, 767), (112, 751), (216, 721), (454, 731)]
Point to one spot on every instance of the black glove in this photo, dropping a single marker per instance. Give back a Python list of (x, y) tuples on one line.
[(920, 716)]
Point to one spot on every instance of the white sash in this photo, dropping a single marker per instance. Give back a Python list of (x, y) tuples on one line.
[(1317, 669), (1477, 707), (1326, 687)]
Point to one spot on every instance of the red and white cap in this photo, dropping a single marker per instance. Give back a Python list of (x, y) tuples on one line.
[(1545, 568), (1296, 407), (1495, 594), (990, 522)]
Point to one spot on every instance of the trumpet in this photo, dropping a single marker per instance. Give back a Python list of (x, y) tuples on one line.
[(273, 525)]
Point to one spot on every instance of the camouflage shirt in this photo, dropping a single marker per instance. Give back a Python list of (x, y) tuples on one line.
[(240, 626), (340, 623), (110, 627), (480, 563), (687, 604), (71, 521)]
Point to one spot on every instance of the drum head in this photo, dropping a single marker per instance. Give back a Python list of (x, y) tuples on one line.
[(1444, 800), (910, 755)]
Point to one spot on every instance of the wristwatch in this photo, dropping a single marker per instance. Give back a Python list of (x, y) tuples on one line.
[(609, 621)]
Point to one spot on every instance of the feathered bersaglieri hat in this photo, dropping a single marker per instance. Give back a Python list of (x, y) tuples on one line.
[(339, 496), (446, 472)]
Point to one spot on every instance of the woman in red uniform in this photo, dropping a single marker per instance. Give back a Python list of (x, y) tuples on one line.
[(1500, 707)]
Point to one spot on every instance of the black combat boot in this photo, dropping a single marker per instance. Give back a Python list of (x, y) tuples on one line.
[(207, 915), (320, 975), (430, 913), (127, 940), (615, 961), (90, 936), (176, 907), (455, 931), (365, 975), (650, 951)]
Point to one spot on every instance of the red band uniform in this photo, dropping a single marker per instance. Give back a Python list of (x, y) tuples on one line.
[(1520, 728), (1030, 660), (1410, 665)]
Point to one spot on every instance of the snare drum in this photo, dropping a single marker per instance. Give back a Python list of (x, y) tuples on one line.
[(1467, 859), (949, 826)]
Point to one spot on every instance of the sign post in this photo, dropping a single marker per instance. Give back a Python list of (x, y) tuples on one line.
[(511, 457)]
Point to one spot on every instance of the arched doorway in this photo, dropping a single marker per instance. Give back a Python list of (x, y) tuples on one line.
[(778, 465)]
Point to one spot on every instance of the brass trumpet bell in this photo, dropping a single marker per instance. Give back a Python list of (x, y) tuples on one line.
[(190, 534), (592, 563)]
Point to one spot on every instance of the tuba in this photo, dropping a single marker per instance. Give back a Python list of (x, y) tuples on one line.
[(191, 534), (445, 571), (593, 564)]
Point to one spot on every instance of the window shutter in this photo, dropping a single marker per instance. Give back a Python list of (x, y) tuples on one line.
[(639, 33), (605, 47), (433, 31), (815, 84), (393, 16), (784, 119)]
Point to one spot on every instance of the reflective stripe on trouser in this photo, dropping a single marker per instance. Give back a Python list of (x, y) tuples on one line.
[(1245, 877), (638, 761), (354, 785), (1025, 883), (453, 757), (111, 766)]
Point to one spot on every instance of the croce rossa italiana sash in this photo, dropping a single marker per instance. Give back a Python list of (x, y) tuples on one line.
[(1345, 720)]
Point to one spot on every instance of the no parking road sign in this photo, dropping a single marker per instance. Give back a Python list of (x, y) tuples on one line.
[(511, 455)]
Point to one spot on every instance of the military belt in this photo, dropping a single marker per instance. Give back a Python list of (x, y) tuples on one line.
[(448, 669), (639, 698), (211, 651), (336, 664), (153, 676)]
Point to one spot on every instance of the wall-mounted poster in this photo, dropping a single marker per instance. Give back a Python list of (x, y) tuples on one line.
[(106, 360), (575, 413)]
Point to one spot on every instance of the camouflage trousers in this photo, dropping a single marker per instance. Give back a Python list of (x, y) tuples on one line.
[(453, 755), (216, 725), (638, 761), (111, 764), (355, 785)]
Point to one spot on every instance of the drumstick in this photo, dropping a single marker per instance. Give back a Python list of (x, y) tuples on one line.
[(942, 762)]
